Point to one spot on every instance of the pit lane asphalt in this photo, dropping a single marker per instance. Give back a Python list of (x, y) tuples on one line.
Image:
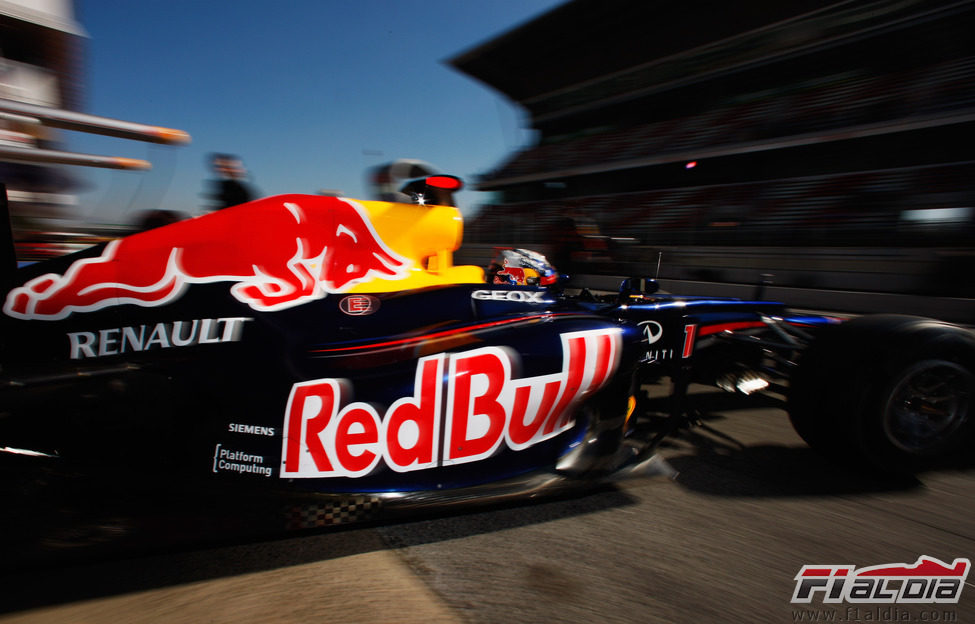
[(720, 542)]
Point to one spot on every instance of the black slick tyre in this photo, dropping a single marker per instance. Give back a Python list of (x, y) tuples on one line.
[(893, 391)]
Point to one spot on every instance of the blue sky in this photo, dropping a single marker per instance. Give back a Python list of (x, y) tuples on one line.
[(308, 92)]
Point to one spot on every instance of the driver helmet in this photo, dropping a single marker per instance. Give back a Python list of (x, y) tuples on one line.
[(521, 267)]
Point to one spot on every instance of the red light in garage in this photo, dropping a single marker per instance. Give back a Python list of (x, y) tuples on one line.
[(691, 165)]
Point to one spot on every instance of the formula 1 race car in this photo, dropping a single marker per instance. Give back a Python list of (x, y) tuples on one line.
[(330, 347)]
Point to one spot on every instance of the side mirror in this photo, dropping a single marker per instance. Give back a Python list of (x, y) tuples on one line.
[(637, 286)]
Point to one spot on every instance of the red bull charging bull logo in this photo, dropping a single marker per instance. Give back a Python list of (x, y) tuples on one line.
[(279, 252)]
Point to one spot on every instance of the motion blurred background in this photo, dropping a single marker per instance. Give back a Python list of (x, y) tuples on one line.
[(822, 144)]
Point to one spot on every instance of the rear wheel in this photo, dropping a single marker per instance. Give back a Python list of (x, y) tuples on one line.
[(895, 391), (928, 405)]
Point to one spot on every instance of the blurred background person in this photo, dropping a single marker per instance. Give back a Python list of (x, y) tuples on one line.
[(230, 187)]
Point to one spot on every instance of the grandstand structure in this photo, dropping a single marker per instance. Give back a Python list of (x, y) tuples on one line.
[(716, 124), (40, 67), (41, 94)]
